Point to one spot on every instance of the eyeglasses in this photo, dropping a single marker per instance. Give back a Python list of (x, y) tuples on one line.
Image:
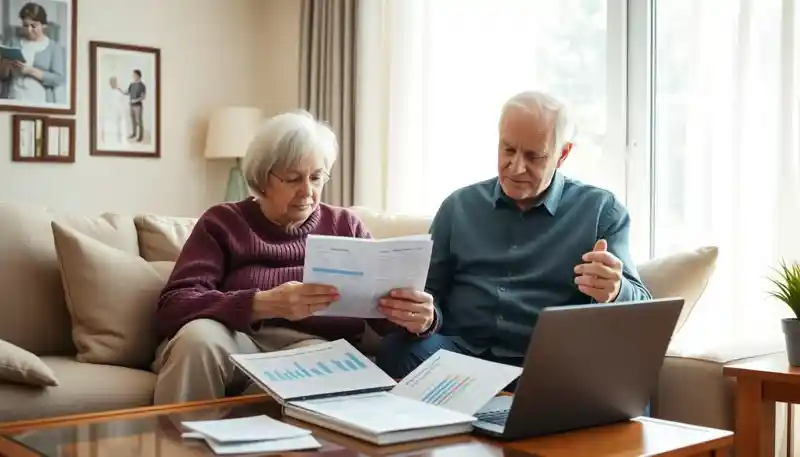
[(317, 180)]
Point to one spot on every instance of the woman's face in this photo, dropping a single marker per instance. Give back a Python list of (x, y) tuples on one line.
[(292, 193), (33, 29)]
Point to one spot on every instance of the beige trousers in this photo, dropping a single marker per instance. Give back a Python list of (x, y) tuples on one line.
[(194, 364)]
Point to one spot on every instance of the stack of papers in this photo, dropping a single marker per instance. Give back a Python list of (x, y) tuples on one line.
[(250, 435)]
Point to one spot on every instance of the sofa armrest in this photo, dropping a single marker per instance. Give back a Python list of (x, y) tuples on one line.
[(691, 387)]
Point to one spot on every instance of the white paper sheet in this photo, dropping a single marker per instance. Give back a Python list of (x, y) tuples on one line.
[(457, 382), (363, 270), (243, 429), (324, 368), (384, 412), (257, 447)]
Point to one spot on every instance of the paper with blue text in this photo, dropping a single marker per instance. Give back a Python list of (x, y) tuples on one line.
[(364, 270)]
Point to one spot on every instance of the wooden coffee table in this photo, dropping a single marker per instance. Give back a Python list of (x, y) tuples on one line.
[(762, 382), (153, 432)]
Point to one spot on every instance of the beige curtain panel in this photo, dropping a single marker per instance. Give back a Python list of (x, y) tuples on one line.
[(327, 83)]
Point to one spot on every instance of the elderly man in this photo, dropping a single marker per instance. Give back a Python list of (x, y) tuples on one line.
[(507, 247)]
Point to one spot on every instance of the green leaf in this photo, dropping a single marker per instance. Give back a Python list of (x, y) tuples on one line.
[(786, 282)]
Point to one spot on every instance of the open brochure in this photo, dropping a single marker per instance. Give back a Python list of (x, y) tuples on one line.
[(334, 386), (363, 269)]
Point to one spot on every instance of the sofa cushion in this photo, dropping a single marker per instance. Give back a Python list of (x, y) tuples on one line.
[(83, 388), (710, 400), (162, 238), (111, 296), (683, 274), (386, 225), (33, 299), (22, 367)]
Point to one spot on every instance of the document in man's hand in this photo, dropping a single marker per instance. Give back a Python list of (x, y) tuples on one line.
[(363, 270), (335, 386)]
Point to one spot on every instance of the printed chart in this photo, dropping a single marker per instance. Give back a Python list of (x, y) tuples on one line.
[(349, 363), (455, 381), (321, 369), (444, 390)]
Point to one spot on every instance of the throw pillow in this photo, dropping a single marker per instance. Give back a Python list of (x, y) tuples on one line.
[(111, 297), (162, 238), (22, 367), (683, 274)]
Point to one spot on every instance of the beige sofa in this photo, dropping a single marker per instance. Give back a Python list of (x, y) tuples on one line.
[(79, 292)]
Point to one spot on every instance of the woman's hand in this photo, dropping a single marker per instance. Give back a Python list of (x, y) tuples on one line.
[(28, 70), (293, 300), (410, 309)]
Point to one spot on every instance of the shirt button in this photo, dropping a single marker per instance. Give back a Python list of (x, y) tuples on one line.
[(502, 289), (500, 318), (513, 246)]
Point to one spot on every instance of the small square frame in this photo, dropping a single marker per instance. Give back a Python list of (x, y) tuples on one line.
[(43, 139)]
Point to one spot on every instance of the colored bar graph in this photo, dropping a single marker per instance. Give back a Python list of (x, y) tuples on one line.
[(356, 361), (298, 371), (442, 391)]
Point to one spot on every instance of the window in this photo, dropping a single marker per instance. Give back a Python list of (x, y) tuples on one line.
[(454, 63), (724, 150)]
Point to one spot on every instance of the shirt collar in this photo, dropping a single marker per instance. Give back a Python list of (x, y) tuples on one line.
[(550, 199)]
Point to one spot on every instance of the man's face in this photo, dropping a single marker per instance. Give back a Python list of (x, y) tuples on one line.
[(135, 76), (526, 157)]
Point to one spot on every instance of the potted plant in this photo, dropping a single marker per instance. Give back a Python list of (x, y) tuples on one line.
[(787, 290)]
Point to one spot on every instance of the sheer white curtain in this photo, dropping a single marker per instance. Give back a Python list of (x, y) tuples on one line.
[(726, 138), (433, 76)]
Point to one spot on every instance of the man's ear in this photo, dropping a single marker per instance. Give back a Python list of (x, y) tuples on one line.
[(564, 153)]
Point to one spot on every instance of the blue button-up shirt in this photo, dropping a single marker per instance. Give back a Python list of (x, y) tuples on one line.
[(494, 267)]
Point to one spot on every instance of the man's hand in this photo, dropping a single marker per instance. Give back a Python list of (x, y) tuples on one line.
[(410, 309), (600, 275)]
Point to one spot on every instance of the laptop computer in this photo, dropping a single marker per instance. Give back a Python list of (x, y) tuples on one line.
[(586, 365)]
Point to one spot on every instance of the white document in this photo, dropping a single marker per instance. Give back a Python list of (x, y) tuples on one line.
[(244, 429), (257, 447), (325, 368), (383, 412), (457, 382), (364, 270)]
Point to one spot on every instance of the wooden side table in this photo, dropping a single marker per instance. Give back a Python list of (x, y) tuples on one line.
[(762, 382)]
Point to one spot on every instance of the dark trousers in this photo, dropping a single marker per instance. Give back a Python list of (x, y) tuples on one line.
[(399, 354), (137, 127)]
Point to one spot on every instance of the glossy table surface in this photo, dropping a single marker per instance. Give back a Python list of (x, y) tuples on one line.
[(155, 431)]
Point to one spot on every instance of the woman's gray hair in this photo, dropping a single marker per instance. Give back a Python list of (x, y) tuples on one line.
[(282, 141), (540, 103)]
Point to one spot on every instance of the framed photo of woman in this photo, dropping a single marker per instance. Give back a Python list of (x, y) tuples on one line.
[(37, 56)]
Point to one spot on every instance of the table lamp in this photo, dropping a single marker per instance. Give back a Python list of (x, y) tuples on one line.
[(230, 131)]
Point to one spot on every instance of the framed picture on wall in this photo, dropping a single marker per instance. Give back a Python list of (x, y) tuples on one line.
[(37, 56), (125, 100), (38, 138)]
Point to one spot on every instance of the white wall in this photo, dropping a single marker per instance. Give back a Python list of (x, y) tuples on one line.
[(213, 53)]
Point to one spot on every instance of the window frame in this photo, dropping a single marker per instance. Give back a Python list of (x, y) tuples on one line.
[(640, 174)]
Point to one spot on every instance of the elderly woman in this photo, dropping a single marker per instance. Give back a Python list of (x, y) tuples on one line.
[(235, 287)]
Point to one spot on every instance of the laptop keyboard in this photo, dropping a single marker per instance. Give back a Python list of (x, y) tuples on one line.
[(493, 417)]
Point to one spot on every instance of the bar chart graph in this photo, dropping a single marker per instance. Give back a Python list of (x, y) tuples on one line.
[(299, 371), (443, 391)]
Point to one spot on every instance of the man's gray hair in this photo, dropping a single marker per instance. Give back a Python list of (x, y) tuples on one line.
[(540, 103), (282, 141)]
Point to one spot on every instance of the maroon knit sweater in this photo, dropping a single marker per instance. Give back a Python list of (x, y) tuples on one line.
[(233, 252)]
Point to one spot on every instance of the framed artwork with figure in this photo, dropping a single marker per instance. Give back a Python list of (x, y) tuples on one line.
[(37, 56), (125, 100)]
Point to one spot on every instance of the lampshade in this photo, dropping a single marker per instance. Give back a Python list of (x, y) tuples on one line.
[(230, 131)]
